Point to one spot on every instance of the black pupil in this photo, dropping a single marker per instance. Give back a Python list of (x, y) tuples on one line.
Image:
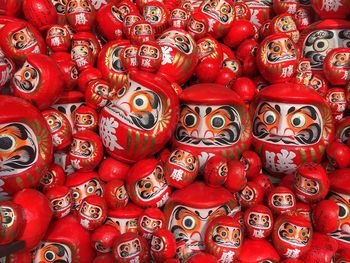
[(139, 102), (276, 49), (188, 222), (342, 211), (5, 143), (270, 119), (320, 44), (189, 120), (49, 256), (290, 231), (148, 185), (218, 122), (223, 234), (296, 121)]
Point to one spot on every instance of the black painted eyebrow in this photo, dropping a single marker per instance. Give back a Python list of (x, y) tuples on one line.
[(278, 108)]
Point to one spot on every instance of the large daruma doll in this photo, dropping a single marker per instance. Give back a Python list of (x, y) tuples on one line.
[(213, 121), (141, 118), (291, 125)]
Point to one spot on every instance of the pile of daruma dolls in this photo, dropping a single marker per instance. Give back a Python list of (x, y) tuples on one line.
[(175, 131)]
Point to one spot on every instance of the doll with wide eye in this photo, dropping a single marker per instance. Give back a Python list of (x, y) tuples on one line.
[(209, 48), (311, 183), (252, 163), (281, 200), (337, 102), (58, 38), (157, 14), (12, 222), (213, 121), (220, 15), (197, 26), (140, 119), (179, 56), (163, 245), (258, 221), (88, 39), (61, 200), (146, 184), (224, 236), (189, 211), (68, 69), (103, 238), (130, 247), (82, 56), (127, 7), (149, 221), (80, 15), (242, 11), (129, 21), (277, 58), (303, 73), (290, 129), (39, 81), (60, 128), (141, 31), (149, 56), (178, 18), (85, 118), (181, 168), (128, 57), (285, 24), (339, 192), (86, 151), (336, 66), (55, 176), (65, 241), (20, 39), (252, 194), (83, 185), (92, 212), (292, 235), (319, 83)]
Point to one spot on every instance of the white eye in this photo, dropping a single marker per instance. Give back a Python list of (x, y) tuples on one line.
[(121, 92), (7, 143), (27, 75), (320, 45), (76, 195), (188, 222), (343, 211), (270, 117), (190, 120), (140, 102), (298, 120), (217, 122), (90, 189), (50, 256)]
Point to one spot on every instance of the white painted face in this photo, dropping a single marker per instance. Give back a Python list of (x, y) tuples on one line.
[(179, 40), (227, 236), (287, 124), (259, 220), (18, 148), (319, 42), (307, 186), (27, 78), (129, 249), (48, 252), (208, 126), (123, 225), (152, 186), (188, 224), (137, 106), (294, 235), (23, 38), (220, 10), (157, 244)]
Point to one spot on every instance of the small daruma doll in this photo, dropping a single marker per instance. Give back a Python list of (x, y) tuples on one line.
[(277, 58), (224, 236), (258, 221), (336, 66), (146, 184), (181, 168), (86, 151), (213, 121), (311, 183), (141, 118), (292, 124), (131, 247), (163, 245), (39, 81), (189, 211), (80, 14), (292, 235), (92, 212), (149, 221), (220, 15)]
